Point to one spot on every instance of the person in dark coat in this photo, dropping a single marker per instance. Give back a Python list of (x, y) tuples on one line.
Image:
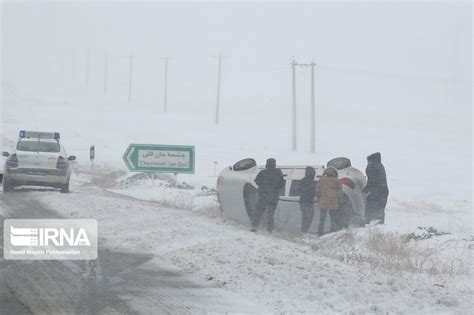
[(329, 192), (376, 189), (307, 189), (269, 182)]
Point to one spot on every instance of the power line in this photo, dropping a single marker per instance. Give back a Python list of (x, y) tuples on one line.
[(389, 75)]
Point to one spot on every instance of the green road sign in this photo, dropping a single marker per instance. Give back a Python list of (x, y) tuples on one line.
[(156, 158)]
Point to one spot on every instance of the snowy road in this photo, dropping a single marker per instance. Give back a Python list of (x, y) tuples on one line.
[(117, 282)]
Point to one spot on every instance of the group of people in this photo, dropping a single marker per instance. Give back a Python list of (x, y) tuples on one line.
[(327, 191)]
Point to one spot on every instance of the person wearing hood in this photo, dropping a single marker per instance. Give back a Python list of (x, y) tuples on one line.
[(376, 189), (329, 191), (307, 190), (269, 182)]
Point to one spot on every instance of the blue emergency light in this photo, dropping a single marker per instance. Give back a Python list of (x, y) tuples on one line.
[(40, 135)]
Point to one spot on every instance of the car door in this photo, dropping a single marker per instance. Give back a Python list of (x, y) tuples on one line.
[(288, 215)]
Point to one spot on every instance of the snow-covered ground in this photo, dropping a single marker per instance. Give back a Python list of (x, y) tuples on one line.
[(394, 268), (339, 273)]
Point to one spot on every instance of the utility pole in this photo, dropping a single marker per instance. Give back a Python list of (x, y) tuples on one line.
[(218, 88), (312, 65), (105, 72), (166, 85), (87, 67), (74, 64), (313, 111), (293, 68), (130, 81), (62, 69)]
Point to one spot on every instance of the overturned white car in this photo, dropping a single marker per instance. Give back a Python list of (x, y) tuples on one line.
[(238, 197)]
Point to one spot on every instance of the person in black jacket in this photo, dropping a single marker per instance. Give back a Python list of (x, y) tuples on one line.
[(307, 189), (376, 189), (269, 182)]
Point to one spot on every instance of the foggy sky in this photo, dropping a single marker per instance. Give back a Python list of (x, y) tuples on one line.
[(368, 54)]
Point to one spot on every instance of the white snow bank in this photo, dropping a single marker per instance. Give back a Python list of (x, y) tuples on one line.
[(166, 191)]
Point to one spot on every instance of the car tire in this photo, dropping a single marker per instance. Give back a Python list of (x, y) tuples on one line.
[(7, 186), (65, 188)]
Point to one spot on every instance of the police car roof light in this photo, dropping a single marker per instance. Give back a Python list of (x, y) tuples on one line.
[(40, 135)]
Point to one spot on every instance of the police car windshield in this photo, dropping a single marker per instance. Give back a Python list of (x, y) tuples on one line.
[(38, 146)]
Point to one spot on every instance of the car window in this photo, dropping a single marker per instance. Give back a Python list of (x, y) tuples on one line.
[(38, 146), (339, 163), (283, 189), (295, 188), (244, 164)]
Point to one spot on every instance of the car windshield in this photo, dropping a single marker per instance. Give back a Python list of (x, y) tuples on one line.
[(38, 146)]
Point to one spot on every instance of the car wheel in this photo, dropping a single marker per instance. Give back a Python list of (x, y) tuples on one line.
[(65, 188), (7, 186)]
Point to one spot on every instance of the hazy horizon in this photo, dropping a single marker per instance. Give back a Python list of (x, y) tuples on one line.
[(367, 54)]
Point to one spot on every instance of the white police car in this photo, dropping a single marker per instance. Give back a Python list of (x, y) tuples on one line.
[(39, 160), (2, 163)]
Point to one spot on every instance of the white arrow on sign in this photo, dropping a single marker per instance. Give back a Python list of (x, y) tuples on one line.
[(129, 155)]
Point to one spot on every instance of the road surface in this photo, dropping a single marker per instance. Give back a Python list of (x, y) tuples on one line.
[(118, 282)]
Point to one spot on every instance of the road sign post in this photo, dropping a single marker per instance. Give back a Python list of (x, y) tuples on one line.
[(157, 158), (92, 155)]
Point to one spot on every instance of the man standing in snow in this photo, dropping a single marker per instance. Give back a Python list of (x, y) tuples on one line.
[(269, 182), (376, 189), (307, 189)]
